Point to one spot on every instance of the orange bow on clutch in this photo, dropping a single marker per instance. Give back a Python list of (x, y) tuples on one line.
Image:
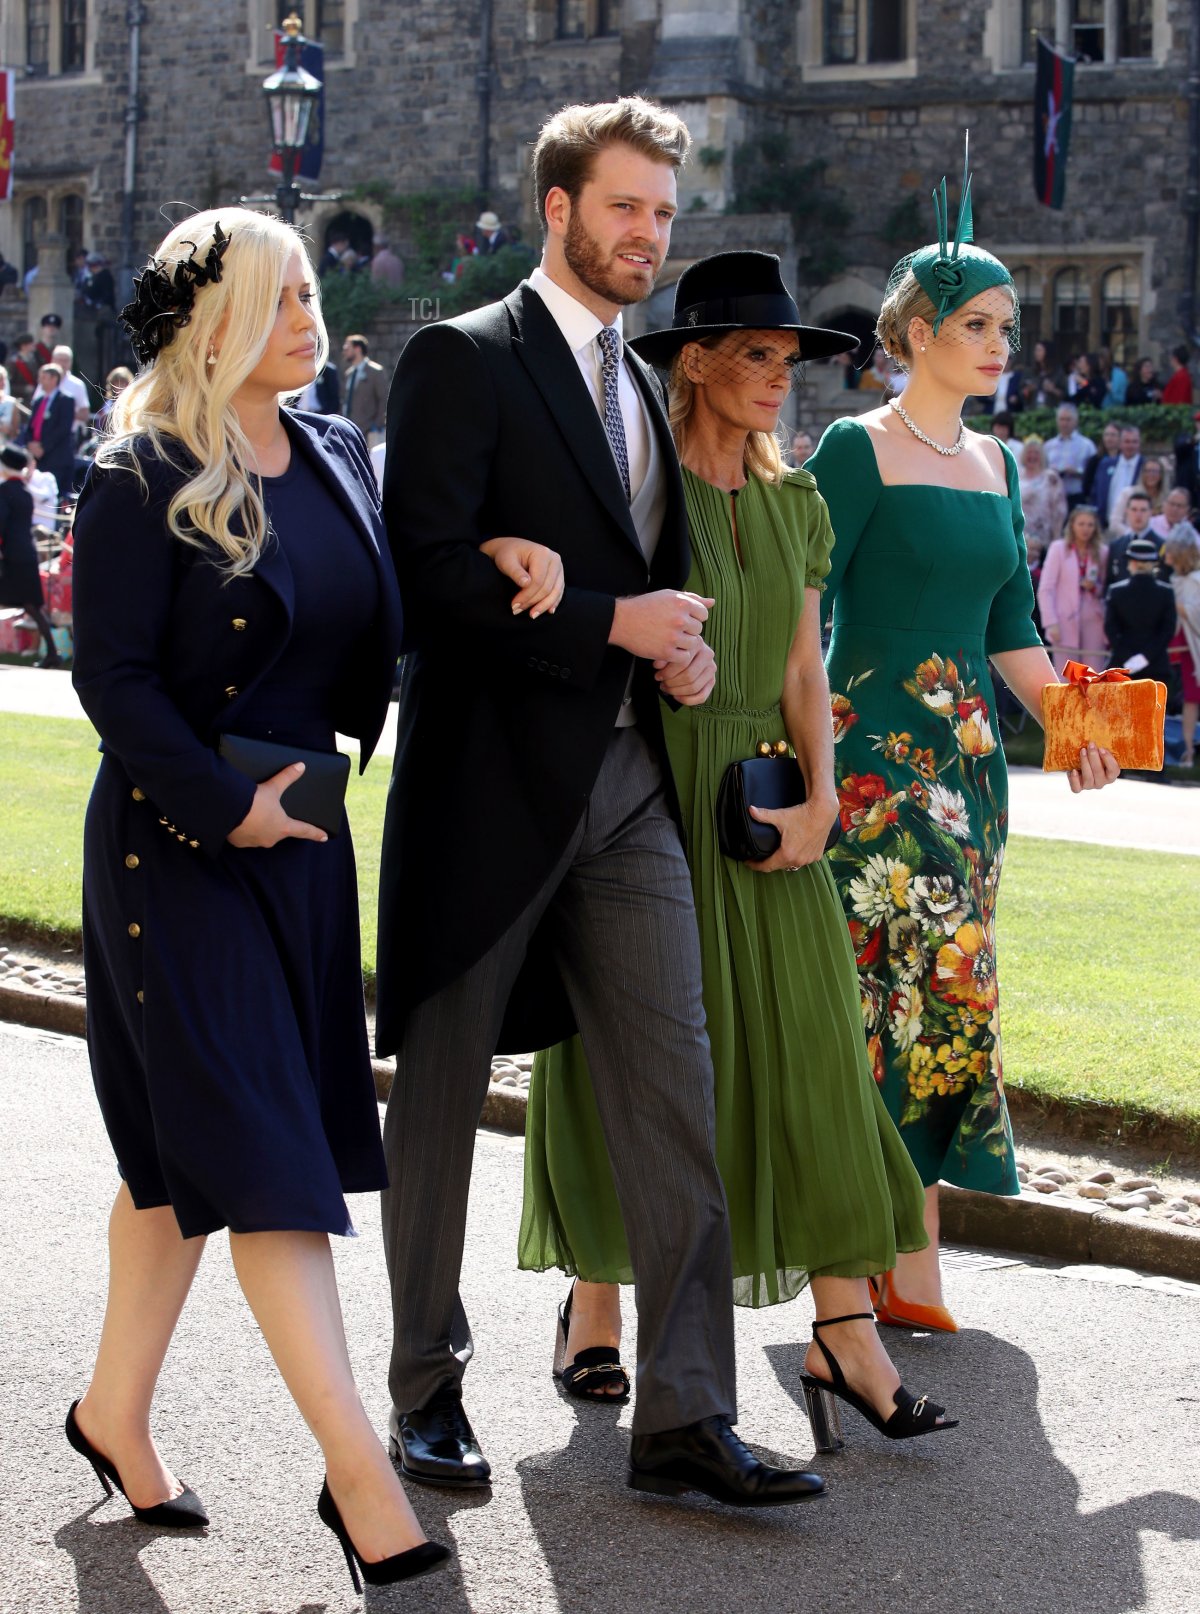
[(1078, 672), (1120, 714)]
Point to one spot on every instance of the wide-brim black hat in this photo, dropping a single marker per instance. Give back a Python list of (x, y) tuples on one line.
[(736, 291)]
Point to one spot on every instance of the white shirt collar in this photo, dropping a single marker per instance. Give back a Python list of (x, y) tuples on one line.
[(577, 323)]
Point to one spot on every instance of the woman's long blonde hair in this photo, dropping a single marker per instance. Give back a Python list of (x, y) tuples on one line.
[(763, 457), (179, 400)]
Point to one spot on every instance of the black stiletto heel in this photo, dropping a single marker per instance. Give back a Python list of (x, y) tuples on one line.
[(420, 1560), (913, 1416), (592, 1372), (182, 1512)]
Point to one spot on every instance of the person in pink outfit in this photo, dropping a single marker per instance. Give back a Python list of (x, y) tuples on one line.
[(1070, 592)]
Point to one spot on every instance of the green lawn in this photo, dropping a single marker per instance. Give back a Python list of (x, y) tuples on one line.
[(1097, 945)]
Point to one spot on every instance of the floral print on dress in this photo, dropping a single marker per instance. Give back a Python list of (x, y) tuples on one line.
[(921, 853)]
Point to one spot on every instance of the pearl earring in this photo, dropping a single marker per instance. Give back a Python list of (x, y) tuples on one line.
[(211, 356), (922, 347)]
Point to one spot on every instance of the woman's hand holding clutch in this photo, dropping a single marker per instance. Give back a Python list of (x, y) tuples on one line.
[(804, 830), (1096, 769), (266, 824), (536, 570)]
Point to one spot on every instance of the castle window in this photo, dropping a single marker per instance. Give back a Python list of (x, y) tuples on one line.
[(74, 36), (1072, 314), (34, 217), (865, 31), (1119, 299), (37, 36), (586, 19)]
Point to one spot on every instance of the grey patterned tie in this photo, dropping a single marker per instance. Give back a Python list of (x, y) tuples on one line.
[(614, 424)]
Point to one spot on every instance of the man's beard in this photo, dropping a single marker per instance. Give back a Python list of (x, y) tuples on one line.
[(585, 259)]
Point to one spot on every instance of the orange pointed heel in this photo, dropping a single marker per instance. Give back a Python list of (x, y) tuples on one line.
[(894, 1310)]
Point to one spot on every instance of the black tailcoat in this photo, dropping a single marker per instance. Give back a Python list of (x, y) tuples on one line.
[(504, 721)]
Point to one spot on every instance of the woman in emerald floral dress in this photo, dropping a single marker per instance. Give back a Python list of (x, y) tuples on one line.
[(929, 583)]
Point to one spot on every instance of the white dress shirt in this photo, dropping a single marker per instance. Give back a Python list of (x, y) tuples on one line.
[(580, 327), (1122, 477)]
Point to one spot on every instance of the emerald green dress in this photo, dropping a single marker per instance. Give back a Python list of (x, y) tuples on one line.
[(817, 1178), (927, 582)]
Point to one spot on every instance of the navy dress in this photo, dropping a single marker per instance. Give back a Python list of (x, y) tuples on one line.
[(225, 1010)]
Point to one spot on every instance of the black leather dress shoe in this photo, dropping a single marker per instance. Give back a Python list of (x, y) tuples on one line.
[(436, 1444), (708, 1456)]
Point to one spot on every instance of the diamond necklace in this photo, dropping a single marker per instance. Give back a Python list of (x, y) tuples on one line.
[(917, 432)]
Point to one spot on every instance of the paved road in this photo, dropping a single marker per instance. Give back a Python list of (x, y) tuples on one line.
[(1073, 1485), (1132, 813)]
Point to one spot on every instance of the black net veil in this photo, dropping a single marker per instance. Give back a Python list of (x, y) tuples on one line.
[(740, 357), (992, 315)]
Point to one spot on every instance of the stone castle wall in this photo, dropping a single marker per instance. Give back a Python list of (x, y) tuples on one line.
[(404, 110)]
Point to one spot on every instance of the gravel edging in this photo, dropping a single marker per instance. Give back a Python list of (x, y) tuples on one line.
[(1031, 1224)]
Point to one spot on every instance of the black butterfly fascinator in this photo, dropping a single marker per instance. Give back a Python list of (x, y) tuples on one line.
[(163, 298)]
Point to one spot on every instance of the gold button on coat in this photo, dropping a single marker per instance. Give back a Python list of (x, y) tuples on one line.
[(141, 997), (238, 624), (132, 861), (138, 795), (135, 930)]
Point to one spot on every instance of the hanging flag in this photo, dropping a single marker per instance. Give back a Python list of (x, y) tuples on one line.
[(7, 129), (1052, 123), (312, 60)]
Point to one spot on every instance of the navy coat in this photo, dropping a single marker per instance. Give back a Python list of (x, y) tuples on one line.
[(168, 649), (57, 439), (1102, 484)]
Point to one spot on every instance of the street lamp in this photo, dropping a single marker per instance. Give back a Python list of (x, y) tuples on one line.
[(290, 93)]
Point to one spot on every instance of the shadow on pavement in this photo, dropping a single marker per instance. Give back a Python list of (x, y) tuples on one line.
[(108, 1569), (607, 1547), (109, 1573), (988, 1506)]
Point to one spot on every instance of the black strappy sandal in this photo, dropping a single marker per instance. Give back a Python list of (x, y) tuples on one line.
[(913, 1416), (593, 1373)]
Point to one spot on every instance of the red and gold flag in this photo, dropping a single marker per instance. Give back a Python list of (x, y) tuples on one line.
[(7, 81)]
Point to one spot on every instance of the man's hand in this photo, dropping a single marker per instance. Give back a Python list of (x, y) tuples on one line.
[(690, 683), (267, 823), (661, 626)]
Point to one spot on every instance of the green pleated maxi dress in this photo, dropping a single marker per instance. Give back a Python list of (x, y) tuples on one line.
[(817, 1178)]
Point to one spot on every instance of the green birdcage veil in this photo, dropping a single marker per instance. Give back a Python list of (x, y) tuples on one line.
[(953, 271)]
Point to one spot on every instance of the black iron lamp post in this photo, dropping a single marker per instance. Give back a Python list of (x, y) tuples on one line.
[(291, 93)]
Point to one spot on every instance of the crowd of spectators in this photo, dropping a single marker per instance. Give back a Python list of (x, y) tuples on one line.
[(1115, 554)]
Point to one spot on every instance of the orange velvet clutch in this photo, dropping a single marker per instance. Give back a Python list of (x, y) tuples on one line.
[(1121, 714)]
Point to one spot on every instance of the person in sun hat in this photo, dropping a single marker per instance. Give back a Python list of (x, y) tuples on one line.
[(930, 583), (492, 234)]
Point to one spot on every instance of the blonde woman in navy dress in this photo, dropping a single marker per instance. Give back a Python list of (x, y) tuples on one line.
[(230, 577)]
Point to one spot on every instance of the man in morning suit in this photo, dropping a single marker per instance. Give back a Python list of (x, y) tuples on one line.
[(533, 878), (49, 433)]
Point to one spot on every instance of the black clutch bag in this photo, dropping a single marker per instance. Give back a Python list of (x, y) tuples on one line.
[(317, 797), (771, 779)]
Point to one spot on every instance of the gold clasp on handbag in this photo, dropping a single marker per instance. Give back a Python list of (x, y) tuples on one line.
[(766, 749)]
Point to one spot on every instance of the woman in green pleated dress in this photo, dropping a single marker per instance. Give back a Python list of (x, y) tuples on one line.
[(820, 1188)]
